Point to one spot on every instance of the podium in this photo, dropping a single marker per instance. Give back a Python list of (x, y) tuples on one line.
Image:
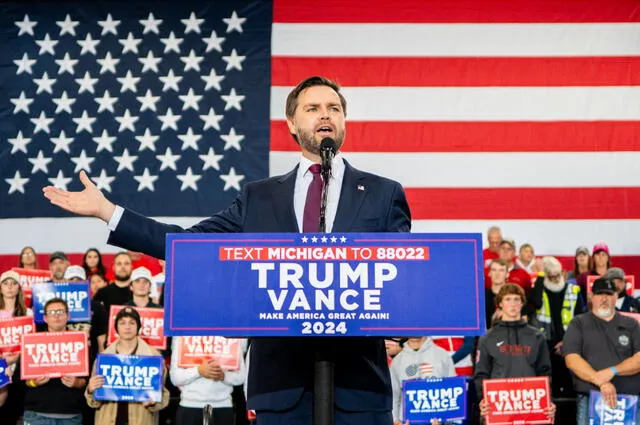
[(324, 285)]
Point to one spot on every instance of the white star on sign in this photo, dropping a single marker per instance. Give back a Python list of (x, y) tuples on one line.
[(323, 239), (146, 180), (234, 22), (232, 140), (104, 141), (42, 123), (148, 101), (147, 141), (192, 24), (343, 239), (40, 163), (125, 161), (109, 25), (212, 80), (151, 24), (88, 45), (190, 100), (45, 83), (170, 81), (232, 180), (234, 61), (66, 64), (211, 160), (16, 184), (192, 61), (171, 43), (26, 27), (127, 122), (47, 45), (83, 162), (211, 120), (233, 100), (103, 181), (128, 82), (334, 239), (108, 63), (19, 143), (68, 26), (130, 44), (168, 160), (169, 120), (85, 122), (304, 239), (214, 42), (63, 103), (106, 102), (150, 63), (24, 64), (22, 103), (61, 143), (189, 140), (60, 181), (189, 180), (314, 239), (86, 83)]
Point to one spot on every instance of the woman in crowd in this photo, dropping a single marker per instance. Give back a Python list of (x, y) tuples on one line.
[(92, 263), (582, 263), (97, 282), (28, 258), (127, 324), (601, 262)]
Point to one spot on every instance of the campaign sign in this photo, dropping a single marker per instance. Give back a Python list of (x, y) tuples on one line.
[(439, 398), (11, 331), (5, 379), (517, 400), (327, 284), (152, 331), (76, 294), (192, 350), (54, 354), (601, 414), (129, 378), (629, 280), (28, 277)]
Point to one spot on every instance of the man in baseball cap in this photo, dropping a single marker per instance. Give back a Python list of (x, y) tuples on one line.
[(625, 302), (58, 263), (141, 281)]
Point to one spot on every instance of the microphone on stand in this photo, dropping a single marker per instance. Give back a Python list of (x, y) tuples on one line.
[(327, 152)]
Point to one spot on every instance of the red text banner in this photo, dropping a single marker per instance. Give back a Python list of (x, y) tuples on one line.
[(517, 400), (11, 331), (152, 331), (28, 277), (54, 354), (193, 350), (315, 253)]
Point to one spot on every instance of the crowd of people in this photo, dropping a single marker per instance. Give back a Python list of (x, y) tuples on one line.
[(541, 320)]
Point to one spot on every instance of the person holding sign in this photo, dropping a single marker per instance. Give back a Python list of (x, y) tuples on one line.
[(420, 358), (127, 324), (12, 304), (602, 349), (511, 348), (54, 398), (281, 369)]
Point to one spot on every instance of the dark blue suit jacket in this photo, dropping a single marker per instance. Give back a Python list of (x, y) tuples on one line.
[(281, 369)]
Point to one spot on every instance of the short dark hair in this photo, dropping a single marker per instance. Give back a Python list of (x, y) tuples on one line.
[(510, 289), (56, 301)]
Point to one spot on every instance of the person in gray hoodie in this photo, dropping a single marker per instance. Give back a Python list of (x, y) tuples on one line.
[(420, 358)]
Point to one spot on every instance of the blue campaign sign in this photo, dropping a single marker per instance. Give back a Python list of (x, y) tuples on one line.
[(624, 413), (439, 398), (129, 378), (354, 284), (5, 379), (76, 294)]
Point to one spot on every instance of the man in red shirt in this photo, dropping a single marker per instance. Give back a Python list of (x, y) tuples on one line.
[(494, 237), (516, 275)]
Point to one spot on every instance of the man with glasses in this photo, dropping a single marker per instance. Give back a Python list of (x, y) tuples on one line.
[(54, 401)]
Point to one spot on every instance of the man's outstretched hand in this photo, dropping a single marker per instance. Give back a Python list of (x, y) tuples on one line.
[(90, 201)]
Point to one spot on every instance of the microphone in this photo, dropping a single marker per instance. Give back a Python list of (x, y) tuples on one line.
[(327, 152)]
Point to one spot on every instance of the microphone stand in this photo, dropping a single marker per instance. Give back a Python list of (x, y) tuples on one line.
[(324, 366)]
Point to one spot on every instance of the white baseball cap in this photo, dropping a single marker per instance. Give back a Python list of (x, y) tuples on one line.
[(75, 272), (141, 272)]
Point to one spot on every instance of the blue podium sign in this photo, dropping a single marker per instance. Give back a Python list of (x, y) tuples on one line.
[(439, 398), (129, 378), (624, 413), (354, 284), (76, 294)]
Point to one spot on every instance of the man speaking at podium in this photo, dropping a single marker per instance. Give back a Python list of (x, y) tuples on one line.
[(280, 383)]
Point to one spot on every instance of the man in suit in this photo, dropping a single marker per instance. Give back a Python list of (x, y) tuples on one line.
[(281, 372)]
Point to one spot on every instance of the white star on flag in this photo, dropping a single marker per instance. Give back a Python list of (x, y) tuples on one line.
[(148, 101), (67, 26), (232, 140), (127, 122), (192, 24), (47, 45), (88, 45), (130, 44), (189, 140), (211, 120), (83, 162), (169, 120), (192, 61), (125, 161), (62, 142), (40, 163), (212, 80), (45, 83), (104, 141), (211, 160), (171, 44), (170, 81), (63, 103), (103, 181), (233, 100), (128, 82), (106, 102), (16, 184), (146, 180), (150, 62), (42, 123), (85, 122), (19, 143), (231, 180), (109, 26), (26, 27), (60, 181), (234, 61), (151, 24), (24, 64), (66, 64), (108, 64), (168, 160), (86, 83), (213, 42), (22, 103), (234, 23), (189, 180), (147, 141), (190, 100)]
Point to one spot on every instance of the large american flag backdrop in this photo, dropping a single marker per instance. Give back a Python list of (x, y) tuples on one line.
[(523, 114)]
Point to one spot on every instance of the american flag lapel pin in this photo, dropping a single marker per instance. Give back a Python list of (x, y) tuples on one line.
[(360, 187)]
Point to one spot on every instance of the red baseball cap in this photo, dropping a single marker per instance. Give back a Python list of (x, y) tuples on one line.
[(601, 246)]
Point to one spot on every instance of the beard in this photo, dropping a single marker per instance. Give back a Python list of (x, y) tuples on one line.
[(603, 311), (123, 277), (554, 286), (307, 140)]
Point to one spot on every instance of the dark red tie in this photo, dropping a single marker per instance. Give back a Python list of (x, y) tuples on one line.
[(311, 220)]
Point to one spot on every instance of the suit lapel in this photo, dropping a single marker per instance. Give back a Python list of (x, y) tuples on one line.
[(283, 203), (352, 194)]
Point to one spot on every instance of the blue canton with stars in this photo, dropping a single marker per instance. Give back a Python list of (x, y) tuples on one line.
[(164, 104)]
